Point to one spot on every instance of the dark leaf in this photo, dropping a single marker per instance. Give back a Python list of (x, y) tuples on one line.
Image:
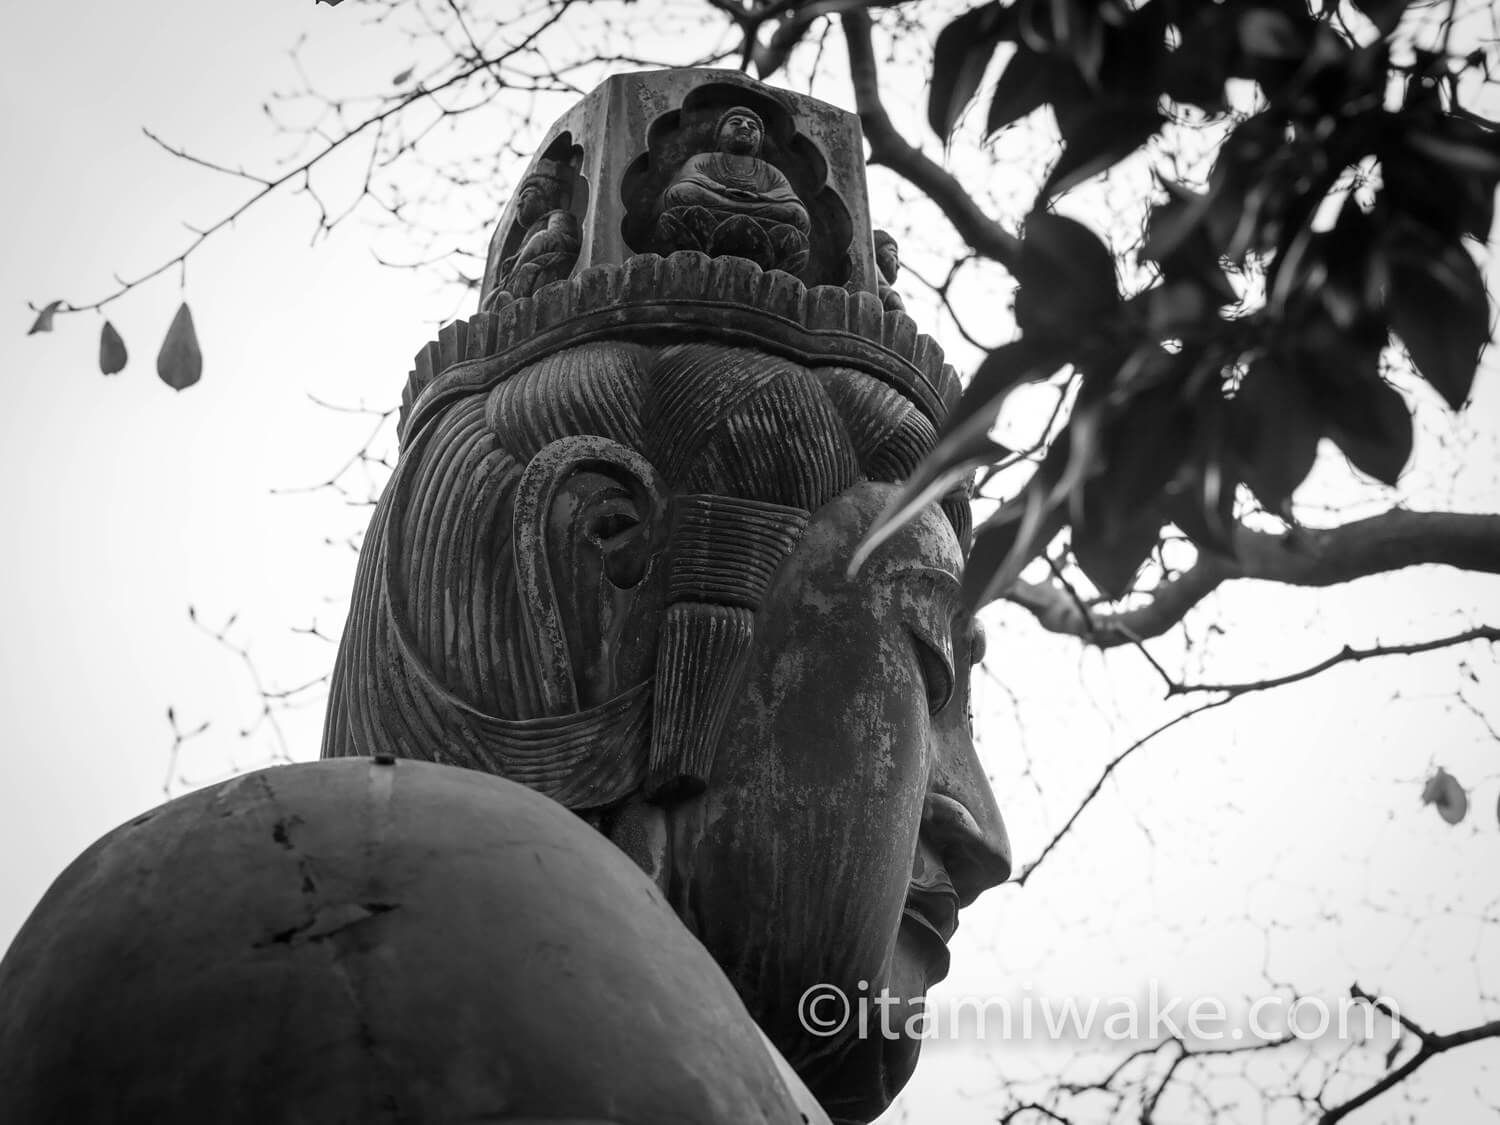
[(1025, 84), (1439, 168), (1135, 49), (1018, 532), (1370, 422), (1274, 431), (1047, 26), (1141, 448), (959, 57), (1444, 791), (1437, 305), (1083, 38), (1266, 34), (1248, 188), (1195, 72), (1146, 442), (1178, 307), (1384, 14), (1351, 292), (1477, 153), (1096, 139), (1333, 269), (1202, 504), (112, 354), (43, 321), (1300, 204), (1173, 222), (404, 77), (1294, 10), (180, 363), (964, 443), (1111, 558), (1201, 498), (1178, 239), (1002, 371), (993, 541), (1439, 181), (1067, 277)]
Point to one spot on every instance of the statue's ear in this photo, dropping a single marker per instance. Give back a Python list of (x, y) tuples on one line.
[(590, 529)]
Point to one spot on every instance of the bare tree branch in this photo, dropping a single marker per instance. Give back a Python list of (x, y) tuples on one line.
[(1345, 655), (1390, 541), (1431, 1044), (301, 172), (1104, 775), (890, 148), (1231, 692)]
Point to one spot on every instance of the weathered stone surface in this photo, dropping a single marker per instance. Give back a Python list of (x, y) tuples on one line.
[(847, 818), (350, 941), (666, 605)]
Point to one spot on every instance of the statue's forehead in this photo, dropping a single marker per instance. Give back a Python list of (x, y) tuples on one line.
[(928, 542), (925, 542)]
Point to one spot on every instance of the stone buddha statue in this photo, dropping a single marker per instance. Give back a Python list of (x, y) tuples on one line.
[(730, 201), (549, 233), (623, 760)]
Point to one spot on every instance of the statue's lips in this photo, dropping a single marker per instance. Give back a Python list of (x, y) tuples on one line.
[(932, 916)]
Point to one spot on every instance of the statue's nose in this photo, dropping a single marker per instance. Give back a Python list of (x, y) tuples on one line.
[(962, 822), (976, 855)]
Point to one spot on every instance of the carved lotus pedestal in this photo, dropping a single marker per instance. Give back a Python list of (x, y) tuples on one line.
[(769, 244)]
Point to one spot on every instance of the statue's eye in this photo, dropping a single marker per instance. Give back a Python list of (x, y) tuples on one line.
[(936, 663)]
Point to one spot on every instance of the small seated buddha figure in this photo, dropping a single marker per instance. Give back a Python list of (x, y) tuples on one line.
[(550, 240), (888, 262), (732, 202)]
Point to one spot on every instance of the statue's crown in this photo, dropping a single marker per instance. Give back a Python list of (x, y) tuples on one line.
[(726, 275)]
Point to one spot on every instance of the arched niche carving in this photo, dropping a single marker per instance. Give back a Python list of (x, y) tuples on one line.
[(682, 133), (542, 247)]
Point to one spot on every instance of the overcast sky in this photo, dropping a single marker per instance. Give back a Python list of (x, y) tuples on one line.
[(1279, 841)]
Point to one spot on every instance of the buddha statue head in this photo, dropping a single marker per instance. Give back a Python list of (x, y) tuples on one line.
[(617, 570), (739, 131), (548, 188)]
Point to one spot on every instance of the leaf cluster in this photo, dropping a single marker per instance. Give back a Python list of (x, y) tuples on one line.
[(1185, 391)]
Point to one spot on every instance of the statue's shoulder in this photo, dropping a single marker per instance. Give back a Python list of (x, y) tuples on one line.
[(375, 908), (698, 163)]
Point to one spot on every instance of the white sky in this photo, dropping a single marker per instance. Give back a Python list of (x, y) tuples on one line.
[(1279, 838)]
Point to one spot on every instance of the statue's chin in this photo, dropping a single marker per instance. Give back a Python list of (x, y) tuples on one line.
[(880, 1063), (919, 962)]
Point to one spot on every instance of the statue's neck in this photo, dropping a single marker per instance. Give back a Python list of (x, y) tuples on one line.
[(739, 163)]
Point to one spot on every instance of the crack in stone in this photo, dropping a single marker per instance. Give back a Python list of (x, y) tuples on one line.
[(327, 922)]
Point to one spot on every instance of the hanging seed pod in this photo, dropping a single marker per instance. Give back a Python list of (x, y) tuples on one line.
[(1444, 791), (180, 363), (112, 353)]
